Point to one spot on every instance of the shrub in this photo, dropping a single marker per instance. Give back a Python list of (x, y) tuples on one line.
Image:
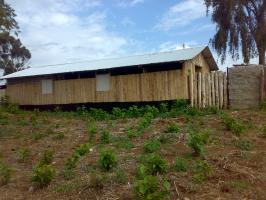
[(202, 170), (151, 146), (107, 160), (47, 157), (244, 144), (118, 113), (43, 175), (180, 164), (172, 128), (155, 164), (231, 124), (82, 149), (92, 130), (196, 141), (105, 137), (99, 114), (179, 105), (120, 176), (23, 154), (149, 188), (152, 110), (134, 111), (71, 162), (163, 108), (5, 173)]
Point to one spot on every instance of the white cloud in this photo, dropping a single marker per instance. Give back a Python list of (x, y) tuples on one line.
[(170, 46), (66, 31), (129, 3), (182, 14)]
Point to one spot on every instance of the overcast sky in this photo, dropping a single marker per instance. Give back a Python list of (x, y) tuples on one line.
[(59, 31)]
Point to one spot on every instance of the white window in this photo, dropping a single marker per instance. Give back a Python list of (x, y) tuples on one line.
[(102, 82), (47, 86)]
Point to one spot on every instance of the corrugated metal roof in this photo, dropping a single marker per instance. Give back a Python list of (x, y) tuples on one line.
[(178, 55)]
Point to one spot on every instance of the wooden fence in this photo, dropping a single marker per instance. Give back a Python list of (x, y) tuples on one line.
[(208, 89)]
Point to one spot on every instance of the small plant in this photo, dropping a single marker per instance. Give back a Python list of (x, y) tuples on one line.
[(154, 164), (5, 173), (263, 130), (124, 143), (244, 145), (71, 162), (149, 188), (151, 146), (231, 124), (92, 130), (43, 175), (202, 170), (47, 157), (23, 154), (197, 141), (118, 113), (82, 149), (180, 164), (107, 160), (172, 128), (105, 137), (99, 114), (131, 133), (120, 176), (163, 108)]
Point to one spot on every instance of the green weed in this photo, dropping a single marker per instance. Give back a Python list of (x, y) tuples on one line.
[(172, 128), (107, 160), (197, 141), (180, 164), (5, 173), (202, 170), (23, 154), (244, 145), (151, 146), (43, 175), (105, 137)]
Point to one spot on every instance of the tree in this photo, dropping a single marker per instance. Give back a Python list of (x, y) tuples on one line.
[(14, 55), (7, 18), (240, 25)]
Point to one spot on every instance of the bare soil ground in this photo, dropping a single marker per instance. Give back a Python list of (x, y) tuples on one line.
[(236, 173)]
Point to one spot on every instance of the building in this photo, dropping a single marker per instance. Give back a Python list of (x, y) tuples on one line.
[(143, 78), (2, 88)]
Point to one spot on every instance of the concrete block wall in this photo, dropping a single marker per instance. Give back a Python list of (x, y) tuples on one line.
[(244, 86)]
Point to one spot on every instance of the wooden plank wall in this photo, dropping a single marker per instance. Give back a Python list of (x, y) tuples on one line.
[(2, 92), (154, 86), (208, 89)]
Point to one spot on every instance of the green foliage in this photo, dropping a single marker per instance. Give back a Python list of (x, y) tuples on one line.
[(99, 114), (43, 175), (233, 125), (134, 111), (202, 170), (172, 128), (180, 164), (179, 105), (120, 176), (263, 131), (92, 130), (23, 154), (244, 144), (38, 135), (70, 162), (82, 149), (151, 146), (149, 188), (119, 113), (152, 164), (124, 143), (132, 133), (197, 141), (105, 137), (163, 108), (47, 157), (107, 160), (5, 173)]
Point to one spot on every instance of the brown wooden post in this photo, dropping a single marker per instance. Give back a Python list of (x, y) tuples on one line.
[(191, 87), (225, 91), (216, 89), (212, 88), (203, 85), (199, 89), (209, 90), (221, 89)]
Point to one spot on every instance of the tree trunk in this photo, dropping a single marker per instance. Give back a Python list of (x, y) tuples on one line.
[(261, 55)]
